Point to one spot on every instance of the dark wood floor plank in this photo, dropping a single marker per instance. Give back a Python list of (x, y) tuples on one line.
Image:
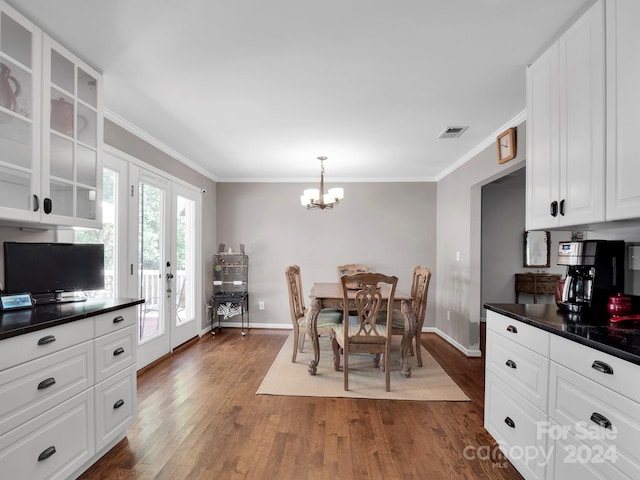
[(199, 418)]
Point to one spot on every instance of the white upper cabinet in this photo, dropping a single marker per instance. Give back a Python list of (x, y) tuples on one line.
[(72, 138), (51, 129), (623, 109), (19, 117), (566, 128)]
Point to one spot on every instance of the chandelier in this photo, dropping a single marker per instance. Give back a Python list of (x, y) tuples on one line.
[(314, 198)]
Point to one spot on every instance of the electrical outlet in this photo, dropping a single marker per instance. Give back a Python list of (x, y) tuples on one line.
[(260, 305), (448, 315), (457, 256)]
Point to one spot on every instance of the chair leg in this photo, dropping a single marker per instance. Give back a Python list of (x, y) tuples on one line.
[(387, 367), (418, 348), (303, 336), (295, 346), (346, 370)]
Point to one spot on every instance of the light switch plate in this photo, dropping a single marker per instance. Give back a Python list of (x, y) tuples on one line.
[(634, 258)]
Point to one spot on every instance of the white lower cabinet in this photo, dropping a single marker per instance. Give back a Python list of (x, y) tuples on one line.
[(573, 412), (572, 459), (116, 405), (52, 445), (515, 424), (67, 393)]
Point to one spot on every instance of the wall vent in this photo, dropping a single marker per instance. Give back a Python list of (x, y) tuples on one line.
[(452, 132)]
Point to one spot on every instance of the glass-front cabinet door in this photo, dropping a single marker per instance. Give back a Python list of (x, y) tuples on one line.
[(19, 117), (72, 138)]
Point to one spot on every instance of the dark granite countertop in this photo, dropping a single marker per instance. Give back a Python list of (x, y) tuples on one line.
[(621, 339), (19, 322)]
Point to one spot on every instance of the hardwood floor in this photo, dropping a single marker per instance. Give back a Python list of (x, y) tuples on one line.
[(199, 418)]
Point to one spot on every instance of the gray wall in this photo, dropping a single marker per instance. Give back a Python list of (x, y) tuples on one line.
[(127, 142), (503, 225), (388, 226), (458, 298)]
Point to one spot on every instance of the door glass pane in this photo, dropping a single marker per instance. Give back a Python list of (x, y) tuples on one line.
[(17, 97), (107, 235), (61, 157), (15, 141), (150, 268), (61, 199), (87, 88), (62, 72), (15, 189), (185, 250), (62, 113), (87, 165), (87, 132), (15, 40), (86, 203)]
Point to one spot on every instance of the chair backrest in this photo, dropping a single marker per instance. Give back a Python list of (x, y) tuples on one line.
[(419, 292), (296, 298), (368, 301), (351, 268)]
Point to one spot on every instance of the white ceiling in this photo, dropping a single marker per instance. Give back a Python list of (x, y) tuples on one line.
[(256, 89)]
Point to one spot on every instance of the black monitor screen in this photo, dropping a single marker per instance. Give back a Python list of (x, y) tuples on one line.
[(53, 267)]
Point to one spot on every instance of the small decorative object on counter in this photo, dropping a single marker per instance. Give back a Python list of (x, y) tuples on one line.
[(619, 305)]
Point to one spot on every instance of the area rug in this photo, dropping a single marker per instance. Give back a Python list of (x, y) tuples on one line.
[(427, 383)]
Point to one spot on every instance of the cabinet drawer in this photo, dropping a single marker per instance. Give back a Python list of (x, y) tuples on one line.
[(583, 406), (610, 371), (515, 423), (116, 404), (20, 349), (116, 320), (573, 459), (32, 388), (526, 335), (522, 369), (114, 352), (53, 445)]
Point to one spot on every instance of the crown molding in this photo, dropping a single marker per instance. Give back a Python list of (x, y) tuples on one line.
[(153, 141), (490, 140)]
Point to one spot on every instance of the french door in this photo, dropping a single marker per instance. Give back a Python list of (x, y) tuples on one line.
[(165, 233)]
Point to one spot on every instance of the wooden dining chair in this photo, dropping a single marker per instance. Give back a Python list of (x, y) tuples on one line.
[(326, 318), (419, 292), (367, 335)]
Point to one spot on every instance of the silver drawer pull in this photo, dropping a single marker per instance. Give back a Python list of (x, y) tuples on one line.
[(512, 329), (47, 453), (46, 340), (602, 367), (46, 383), (601, 420), (510, 422), (118, 404), (511, 364)]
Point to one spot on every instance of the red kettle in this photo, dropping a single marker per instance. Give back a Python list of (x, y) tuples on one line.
[(8, 94)]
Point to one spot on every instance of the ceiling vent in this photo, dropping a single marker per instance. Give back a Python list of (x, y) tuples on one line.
[(452, 132)]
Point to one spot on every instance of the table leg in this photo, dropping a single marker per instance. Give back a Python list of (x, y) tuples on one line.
[(409, 332), (312, 317)]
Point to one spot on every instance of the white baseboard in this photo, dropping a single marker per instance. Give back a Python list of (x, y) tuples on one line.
[(283, 326)]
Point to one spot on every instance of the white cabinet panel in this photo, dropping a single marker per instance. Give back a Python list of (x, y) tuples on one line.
[(566, 129), (52, 445), (23, 348), (623, 109), (116, 405), (32, 388), (114, 352)]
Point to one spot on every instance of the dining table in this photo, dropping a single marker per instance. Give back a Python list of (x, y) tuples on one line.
[(329, 295)]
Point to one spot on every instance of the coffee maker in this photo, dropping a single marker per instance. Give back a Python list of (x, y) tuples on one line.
[(595, 271)]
